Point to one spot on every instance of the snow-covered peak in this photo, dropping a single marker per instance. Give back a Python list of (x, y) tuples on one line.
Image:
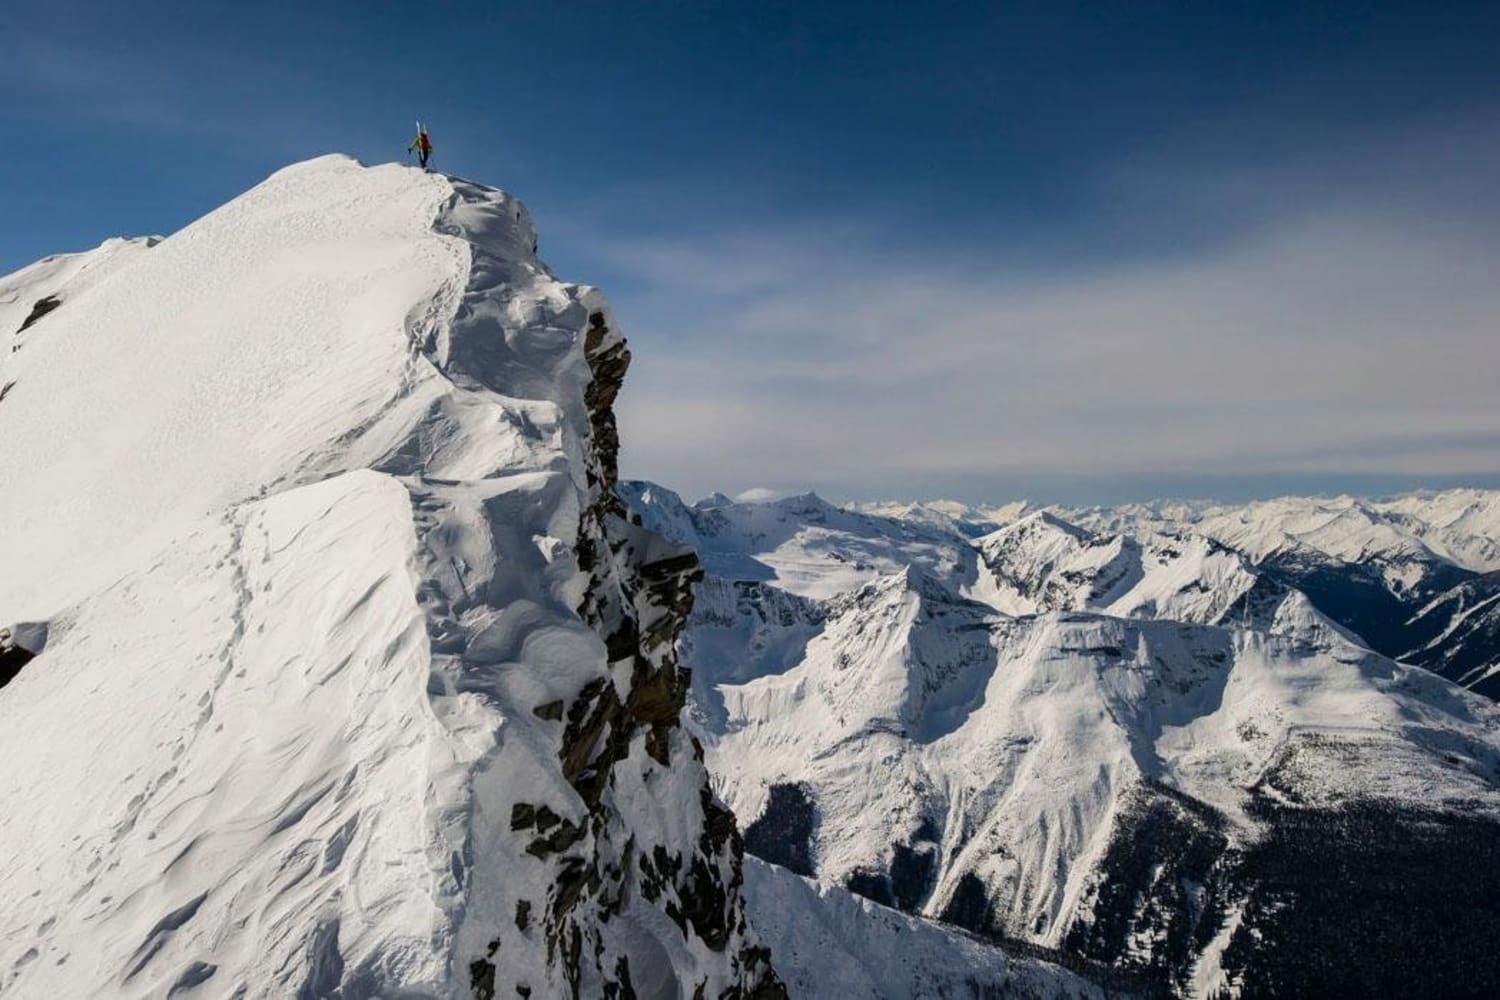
[(714, 500), (226, 361), (357, 680), (1115, 733)]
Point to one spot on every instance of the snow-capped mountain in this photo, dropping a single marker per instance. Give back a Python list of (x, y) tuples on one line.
[(1119, 737), (1457, 634), (344, 673), (1043, 563), (1400, 573)]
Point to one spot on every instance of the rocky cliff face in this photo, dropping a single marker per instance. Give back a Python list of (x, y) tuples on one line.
[(613, 746)]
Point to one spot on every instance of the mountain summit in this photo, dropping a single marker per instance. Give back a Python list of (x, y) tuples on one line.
[(346, 673)]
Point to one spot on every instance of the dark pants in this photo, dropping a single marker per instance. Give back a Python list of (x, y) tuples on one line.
[(423, 155)]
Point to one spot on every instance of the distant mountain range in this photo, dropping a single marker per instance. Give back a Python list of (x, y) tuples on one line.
[(1173, 740)]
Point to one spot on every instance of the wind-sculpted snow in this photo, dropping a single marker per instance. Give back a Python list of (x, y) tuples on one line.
[(1120, 738), (357, 682)]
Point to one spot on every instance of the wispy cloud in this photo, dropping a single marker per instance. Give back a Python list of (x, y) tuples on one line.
[(1354, 333)]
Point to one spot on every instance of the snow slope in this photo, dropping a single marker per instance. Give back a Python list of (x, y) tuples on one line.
[(1405, 536), (356, 681), (829, 942), (802, 544), (31, 293)]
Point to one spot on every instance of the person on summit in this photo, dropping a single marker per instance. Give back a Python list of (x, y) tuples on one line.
[(422, 144)]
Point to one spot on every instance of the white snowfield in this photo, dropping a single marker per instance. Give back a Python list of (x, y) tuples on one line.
[(992, 704), (296, 494)]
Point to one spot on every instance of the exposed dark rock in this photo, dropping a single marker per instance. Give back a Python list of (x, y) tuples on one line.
[(552, 710), (563, 837), (12, 659), (546, 819), (620, 989), (482, 979), (40, 308), (706, 905)]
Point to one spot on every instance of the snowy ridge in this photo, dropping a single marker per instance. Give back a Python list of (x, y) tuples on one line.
[(368, 680), (1045, 734), (1460, 527)]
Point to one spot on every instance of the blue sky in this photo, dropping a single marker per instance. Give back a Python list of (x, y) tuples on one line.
[(1079, 252)]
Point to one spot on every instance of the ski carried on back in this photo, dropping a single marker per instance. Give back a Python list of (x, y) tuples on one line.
[(422, 144)]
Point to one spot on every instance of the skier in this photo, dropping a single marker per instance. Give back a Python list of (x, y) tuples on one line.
[(422, 145)]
